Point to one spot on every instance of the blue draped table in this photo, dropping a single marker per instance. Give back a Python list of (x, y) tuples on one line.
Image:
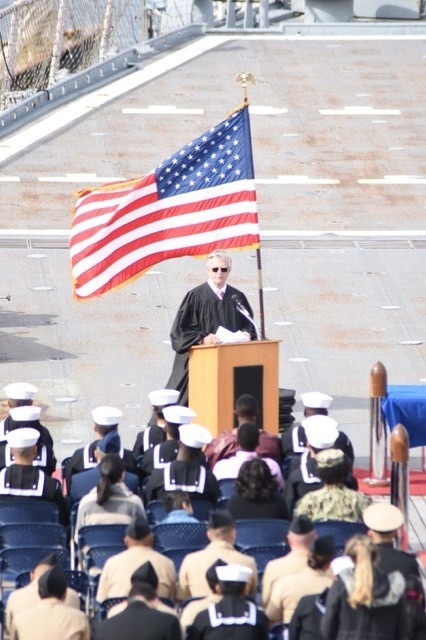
[(406, 404)]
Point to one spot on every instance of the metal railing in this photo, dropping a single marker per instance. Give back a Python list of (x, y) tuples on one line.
[(43, 41)]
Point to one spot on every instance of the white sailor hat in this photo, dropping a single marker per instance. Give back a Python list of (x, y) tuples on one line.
[(163, 397), (20, 391), (383, 517), (178, 415), (106, 416), (321, 431), (316, 400), (27, 413), (194, 435), (25, 437), (233, 573)]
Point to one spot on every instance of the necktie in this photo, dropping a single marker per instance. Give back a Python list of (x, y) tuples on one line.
[(221, 294)]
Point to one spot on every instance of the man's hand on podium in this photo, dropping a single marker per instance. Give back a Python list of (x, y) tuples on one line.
[(211, 339)]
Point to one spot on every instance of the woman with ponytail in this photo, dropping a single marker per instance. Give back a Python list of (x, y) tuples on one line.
[(364, 603), (110, 502)]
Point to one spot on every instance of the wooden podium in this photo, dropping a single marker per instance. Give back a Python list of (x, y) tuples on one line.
[(218, 374)]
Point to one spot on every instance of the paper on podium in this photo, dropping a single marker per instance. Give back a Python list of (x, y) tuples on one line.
[(226, 336)]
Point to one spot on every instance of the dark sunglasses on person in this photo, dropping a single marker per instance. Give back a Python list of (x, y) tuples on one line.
[(222, 269)]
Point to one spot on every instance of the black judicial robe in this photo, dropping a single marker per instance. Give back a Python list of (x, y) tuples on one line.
[(203, 312), (230, 618)]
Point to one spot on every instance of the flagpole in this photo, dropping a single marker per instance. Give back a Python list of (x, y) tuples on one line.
[(242, 79)]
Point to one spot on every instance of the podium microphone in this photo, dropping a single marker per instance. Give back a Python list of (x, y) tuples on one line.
[(245, 312)]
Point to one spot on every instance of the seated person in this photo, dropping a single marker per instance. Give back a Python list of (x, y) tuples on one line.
[(233, 616), (27, 416), (153, 433), (23, 480), (256, 493), (248, 441), (193, 607), (106, 420), (334, 501), (85, 481), (322, 433), (294, 441), (110, 502), (159, 455), (177, 505), (225, 445), (187, 471)]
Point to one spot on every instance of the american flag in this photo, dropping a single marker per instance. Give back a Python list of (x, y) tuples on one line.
[(201, 198)]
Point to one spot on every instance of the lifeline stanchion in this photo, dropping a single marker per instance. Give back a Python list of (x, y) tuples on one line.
[(378, 432), (400, 454)]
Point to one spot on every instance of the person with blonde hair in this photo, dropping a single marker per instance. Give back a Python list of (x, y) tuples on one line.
[(364, 603)]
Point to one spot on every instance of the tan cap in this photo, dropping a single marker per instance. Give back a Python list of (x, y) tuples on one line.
[(383, 517)]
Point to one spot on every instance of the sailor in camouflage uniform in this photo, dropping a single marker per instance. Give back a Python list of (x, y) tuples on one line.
[(334, 501)]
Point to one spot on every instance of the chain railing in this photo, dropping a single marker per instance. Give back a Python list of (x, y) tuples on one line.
[(41, 41)]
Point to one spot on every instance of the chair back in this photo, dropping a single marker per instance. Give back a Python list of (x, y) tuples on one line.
[(265, 553), (155, 512), (28, 510), (97, 556), (96, 535), (341, 531), (177, 555), (107, 604), (77, 580), (227, 487), (15, 560), (202, 509), (263, 531), (180, 535), (22, 534)]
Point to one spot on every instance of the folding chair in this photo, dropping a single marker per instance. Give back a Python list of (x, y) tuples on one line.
[(341, 531), (177, 555), (96, 535), (24, 534), (180, 535), (28, 510), (15, 560), (264, 553), (106, 605), (95, 557), (263, 531), (155, 512), (227, 487)]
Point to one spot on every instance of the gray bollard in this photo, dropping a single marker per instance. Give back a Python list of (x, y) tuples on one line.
[(378, 429), (400, 454)]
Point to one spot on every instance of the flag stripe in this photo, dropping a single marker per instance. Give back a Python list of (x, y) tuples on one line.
[(160, 219), (141, 259), (201, 198)]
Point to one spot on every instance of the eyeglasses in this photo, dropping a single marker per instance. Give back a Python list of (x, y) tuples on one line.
[(222, 269)]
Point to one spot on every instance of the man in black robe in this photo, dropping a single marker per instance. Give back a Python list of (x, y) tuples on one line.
[(202, 311)]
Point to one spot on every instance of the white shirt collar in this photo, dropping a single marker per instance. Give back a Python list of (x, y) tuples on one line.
[(215, 289)]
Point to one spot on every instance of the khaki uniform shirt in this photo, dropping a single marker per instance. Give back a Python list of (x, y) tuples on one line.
[(287, 591), (333, 503), (27, 597), (115, 577), (51, 619), (193, 608), (192, 574), (293, 562)]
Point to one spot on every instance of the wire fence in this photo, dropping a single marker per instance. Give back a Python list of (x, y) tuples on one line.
[(42, 41)]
